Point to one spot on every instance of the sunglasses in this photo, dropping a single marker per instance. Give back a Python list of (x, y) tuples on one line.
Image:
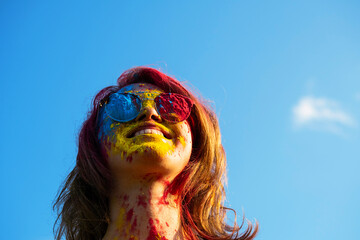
[(124, 107)]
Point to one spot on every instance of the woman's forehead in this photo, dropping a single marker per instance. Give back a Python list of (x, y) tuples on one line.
[(140, 88)]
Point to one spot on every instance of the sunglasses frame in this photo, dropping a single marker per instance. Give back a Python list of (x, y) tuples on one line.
[(189, 100)]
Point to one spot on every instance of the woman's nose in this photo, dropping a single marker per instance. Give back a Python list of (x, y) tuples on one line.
[(148, 113)]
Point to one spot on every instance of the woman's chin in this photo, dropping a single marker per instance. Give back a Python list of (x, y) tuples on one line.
[(145, 161)]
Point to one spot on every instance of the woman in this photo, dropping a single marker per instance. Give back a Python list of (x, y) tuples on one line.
[(150, 166)]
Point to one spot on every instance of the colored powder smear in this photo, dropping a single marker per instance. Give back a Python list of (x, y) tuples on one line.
[(111, 133), (181, 140), (154, 234), (134, 225), (142, 201), (163, 200), (129, 215), (120, 219), (138, 144), (123, 222), (129, 159)]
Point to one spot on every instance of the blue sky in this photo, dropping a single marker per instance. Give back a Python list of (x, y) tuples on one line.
[(283, 77)]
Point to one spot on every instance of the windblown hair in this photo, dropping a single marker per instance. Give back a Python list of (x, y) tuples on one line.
[(82, 204)]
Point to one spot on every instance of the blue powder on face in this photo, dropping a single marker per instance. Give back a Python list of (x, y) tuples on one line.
[(104, 124)]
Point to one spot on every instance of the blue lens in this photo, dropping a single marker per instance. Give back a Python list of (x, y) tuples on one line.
[(123, 107)]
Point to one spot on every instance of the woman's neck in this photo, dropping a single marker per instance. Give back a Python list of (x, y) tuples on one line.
[(142, 210)]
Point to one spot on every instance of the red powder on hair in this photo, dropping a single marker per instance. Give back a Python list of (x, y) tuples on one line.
[(178, 184), (129, 159)]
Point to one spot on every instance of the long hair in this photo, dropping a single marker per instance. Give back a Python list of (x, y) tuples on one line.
[(83, 202)]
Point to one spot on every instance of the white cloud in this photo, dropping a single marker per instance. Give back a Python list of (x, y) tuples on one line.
[(321, 113)]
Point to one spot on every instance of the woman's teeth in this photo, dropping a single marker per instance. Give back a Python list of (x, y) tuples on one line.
[(148, 131)]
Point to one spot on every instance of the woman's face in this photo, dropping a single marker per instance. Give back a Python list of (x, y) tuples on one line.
[(148, 144)]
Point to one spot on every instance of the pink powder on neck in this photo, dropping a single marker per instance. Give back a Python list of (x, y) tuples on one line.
[(129, 159), (142, 201), (129, 215), (153, 233)]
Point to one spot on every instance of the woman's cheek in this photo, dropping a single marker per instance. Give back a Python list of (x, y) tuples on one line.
[(186, 132), (108, 132), (184, 139)]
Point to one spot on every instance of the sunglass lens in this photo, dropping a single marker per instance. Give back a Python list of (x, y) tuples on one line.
[(173, 107), (123, 107)]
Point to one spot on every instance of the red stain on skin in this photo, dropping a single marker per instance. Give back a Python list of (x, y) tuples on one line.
[(163, 200), (133, 226), (142, 201), (176, 200), (129, 159), (126, 198), (154, 234), (149, 177), (166, 183), (167, 224), (129, 215)]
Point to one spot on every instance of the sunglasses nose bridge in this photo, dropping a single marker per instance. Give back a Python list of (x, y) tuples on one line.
[(148, 102), (148, 111)]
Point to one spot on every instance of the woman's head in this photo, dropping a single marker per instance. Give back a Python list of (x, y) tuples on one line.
[(145, 131), (195, 142)]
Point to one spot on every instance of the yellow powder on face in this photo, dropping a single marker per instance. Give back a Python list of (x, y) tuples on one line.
[(182, 140), (139, 144)]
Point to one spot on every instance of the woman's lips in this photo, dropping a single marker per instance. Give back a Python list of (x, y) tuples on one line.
[(149, 129)]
